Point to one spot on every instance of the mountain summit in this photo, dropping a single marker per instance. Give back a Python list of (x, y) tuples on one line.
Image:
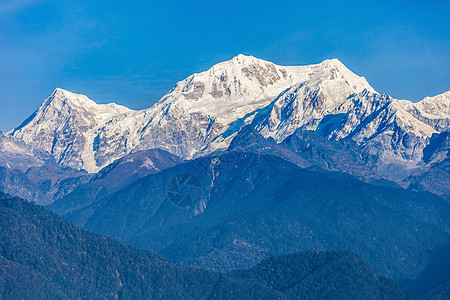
[(231, 89), (62, 100), (205, 111), (63, 126)]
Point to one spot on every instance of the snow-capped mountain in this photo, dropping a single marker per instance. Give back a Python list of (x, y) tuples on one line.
[(434, 111), (205, 111), (65, 124), (378, 124)]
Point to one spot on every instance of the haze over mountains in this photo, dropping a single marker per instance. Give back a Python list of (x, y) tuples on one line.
[(245, 161), (42, 256)]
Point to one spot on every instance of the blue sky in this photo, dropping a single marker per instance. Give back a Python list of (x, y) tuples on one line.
[(132, 53)]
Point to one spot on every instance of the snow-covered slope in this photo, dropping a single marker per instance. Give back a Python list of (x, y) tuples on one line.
[(65, 126), (33, 174), (205, 111), (15, 154), (232, 89), (434, 111), (377, 124)]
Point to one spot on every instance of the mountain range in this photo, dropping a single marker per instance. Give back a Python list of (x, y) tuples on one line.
[(245, 162), (204, 112), (42, 256), (241, 208)]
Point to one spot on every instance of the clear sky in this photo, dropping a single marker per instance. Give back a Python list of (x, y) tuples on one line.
[(133, 52)]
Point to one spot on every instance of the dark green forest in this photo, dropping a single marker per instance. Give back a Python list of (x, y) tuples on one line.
[(45, 257)]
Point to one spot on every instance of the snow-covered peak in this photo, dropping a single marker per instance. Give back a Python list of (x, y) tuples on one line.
[(65, 124), (336, 78), (438, 105), (231, 89), (61, 98), (244, 59), (203, 112), (434, 111), (333, 63)]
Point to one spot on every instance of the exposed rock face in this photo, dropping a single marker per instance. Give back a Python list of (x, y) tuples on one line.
[(204, 112)]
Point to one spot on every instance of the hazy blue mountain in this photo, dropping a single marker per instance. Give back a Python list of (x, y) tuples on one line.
[(442, 292), (436, 177), (240, 208), (114, 177), (296, 276), (15, 182), (435, 275), (55, 181), (250, 140), (308, 148), (44, 257)]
